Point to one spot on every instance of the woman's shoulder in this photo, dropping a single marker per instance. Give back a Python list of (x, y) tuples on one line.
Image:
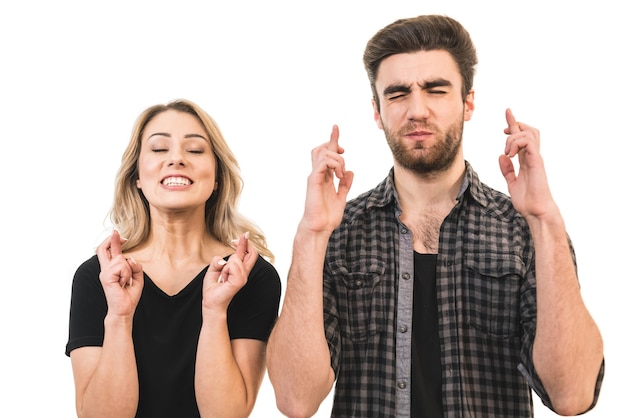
[(88, 268), (263, 277), (263, 266), (89, 264)]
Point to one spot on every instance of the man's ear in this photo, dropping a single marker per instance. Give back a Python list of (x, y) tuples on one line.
[(469, 105), (377, 118)]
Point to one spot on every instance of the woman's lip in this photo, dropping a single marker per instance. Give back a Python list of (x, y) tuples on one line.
[(176, 181), (182, 176)]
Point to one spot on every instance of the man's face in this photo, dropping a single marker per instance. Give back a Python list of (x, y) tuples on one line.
[(422, 110)]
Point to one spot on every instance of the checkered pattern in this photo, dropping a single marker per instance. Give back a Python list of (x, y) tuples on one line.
[(486, 306)]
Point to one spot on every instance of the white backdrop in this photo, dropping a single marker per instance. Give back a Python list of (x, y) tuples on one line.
[(276, 75)]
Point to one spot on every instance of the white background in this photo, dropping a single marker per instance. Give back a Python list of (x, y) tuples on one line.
[(276, 75)]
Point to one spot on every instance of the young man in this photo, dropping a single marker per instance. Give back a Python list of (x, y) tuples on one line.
[(432, 294)]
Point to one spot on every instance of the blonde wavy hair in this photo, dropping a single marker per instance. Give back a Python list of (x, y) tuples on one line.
[(130, 213)]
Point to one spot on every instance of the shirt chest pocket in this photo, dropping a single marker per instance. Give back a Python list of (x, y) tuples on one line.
[(491, 293), (360, 300)]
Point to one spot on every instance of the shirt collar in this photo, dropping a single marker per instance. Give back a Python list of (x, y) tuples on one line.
[(385, 192)]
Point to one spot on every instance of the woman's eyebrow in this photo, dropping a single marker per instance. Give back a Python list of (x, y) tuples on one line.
[(160, 134), (168, 135), (195, 136)]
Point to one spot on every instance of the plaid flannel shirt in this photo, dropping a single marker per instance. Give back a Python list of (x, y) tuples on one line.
[(486, 307)]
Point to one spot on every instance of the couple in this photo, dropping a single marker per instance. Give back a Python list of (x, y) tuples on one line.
[(429, 295)]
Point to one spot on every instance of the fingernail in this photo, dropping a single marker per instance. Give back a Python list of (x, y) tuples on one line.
[(246, 235), (221, 262)]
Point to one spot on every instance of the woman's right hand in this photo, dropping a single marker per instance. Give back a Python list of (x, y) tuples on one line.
[(121, 277)]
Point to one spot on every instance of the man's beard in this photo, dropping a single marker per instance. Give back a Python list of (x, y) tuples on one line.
[(438, 157)]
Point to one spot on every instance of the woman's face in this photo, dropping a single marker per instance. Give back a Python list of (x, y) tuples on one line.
[(177, 166)]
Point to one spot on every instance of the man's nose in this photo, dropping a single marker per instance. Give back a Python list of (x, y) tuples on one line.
[(418, 107)]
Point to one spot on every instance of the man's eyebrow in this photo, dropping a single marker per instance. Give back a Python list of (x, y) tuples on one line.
[(439, 82), (396, 88), (428, 84)]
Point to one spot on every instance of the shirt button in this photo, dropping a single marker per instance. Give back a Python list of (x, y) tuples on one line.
[(358, 283), (402, 385), (404, 231), (403, 328), (406, 276)]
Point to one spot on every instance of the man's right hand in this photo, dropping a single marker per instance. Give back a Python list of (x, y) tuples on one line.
[(325, 202)]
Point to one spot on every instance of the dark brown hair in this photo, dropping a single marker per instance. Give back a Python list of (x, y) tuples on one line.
[(422, 33)]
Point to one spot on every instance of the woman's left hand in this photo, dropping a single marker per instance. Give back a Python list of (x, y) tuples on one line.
[(224, 278)]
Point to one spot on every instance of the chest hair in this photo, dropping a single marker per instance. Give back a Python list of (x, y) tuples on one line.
[(425, 227)]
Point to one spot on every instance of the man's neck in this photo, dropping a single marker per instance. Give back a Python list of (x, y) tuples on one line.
[(418, 191)]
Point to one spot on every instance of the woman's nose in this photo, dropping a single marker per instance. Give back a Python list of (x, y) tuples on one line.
[(176, 157)]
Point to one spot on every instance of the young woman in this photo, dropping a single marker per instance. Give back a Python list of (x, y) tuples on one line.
[(171, 316)]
